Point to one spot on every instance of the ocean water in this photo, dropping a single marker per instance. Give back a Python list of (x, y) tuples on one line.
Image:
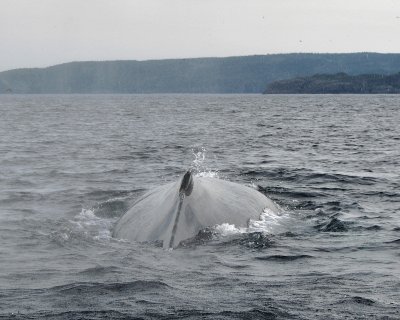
[(71, 165)]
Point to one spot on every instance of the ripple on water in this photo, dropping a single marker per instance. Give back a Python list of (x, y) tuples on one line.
[(101, 288)]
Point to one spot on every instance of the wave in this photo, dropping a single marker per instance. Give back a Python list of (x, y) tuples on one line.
[(309, 176), (120, 287), (81, 314), (99, 270), (374, 227), (284, 258), (334, 225), (397, 241), (358, 300), (290, 193), (184, 313)]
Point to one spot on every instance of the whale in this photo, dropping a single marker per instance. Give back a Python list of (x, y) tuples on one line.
[(179, 210)]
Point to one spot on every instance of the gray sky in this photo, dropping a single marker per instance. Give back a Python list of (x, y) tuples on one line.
[(37, 33)]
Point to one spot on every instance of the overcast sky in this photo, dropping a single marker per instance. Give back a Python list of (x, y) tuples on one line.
[(37, 33)]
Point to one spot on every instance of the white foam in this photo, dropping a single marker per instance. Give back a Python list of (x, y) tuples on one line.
[(269, 222), (93, 226), (226, 229)]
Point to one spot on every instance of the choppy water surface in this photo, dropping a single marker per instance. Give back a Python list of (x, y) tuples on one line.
[(71, 165)]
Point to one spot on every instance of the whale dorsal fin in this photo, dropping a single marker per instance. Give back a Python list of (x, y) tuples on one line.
[(186, 187), (185, 190)]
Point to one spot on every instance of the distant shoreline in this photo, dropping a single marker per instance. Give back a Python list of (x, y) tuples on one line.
[(340, 83), (233, 75)]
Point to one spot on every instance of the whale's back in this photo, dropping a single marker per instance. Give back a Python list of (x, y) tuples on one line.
[(210, 202)]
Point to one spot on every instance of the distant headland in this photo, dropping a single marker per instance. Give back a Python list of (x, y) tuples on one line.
[(247, 74), (337, 83)]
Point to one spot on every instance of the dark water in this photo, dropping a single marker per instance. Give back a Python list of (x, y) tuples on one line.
[(71, 165)]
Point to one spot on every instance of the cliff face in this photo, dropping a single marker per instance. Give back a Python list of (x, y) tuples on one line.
[(206, 75), (338, 83)]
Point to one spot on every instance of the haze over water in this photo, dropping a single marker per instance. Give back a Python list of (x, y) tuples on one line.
[(71, 165)]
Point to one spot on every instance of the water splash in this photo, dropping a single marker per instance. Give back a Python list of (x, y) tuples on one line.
[(93, 226), (226, 229), (199, 157), (199, 167), (270, 222), (85, 227)]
